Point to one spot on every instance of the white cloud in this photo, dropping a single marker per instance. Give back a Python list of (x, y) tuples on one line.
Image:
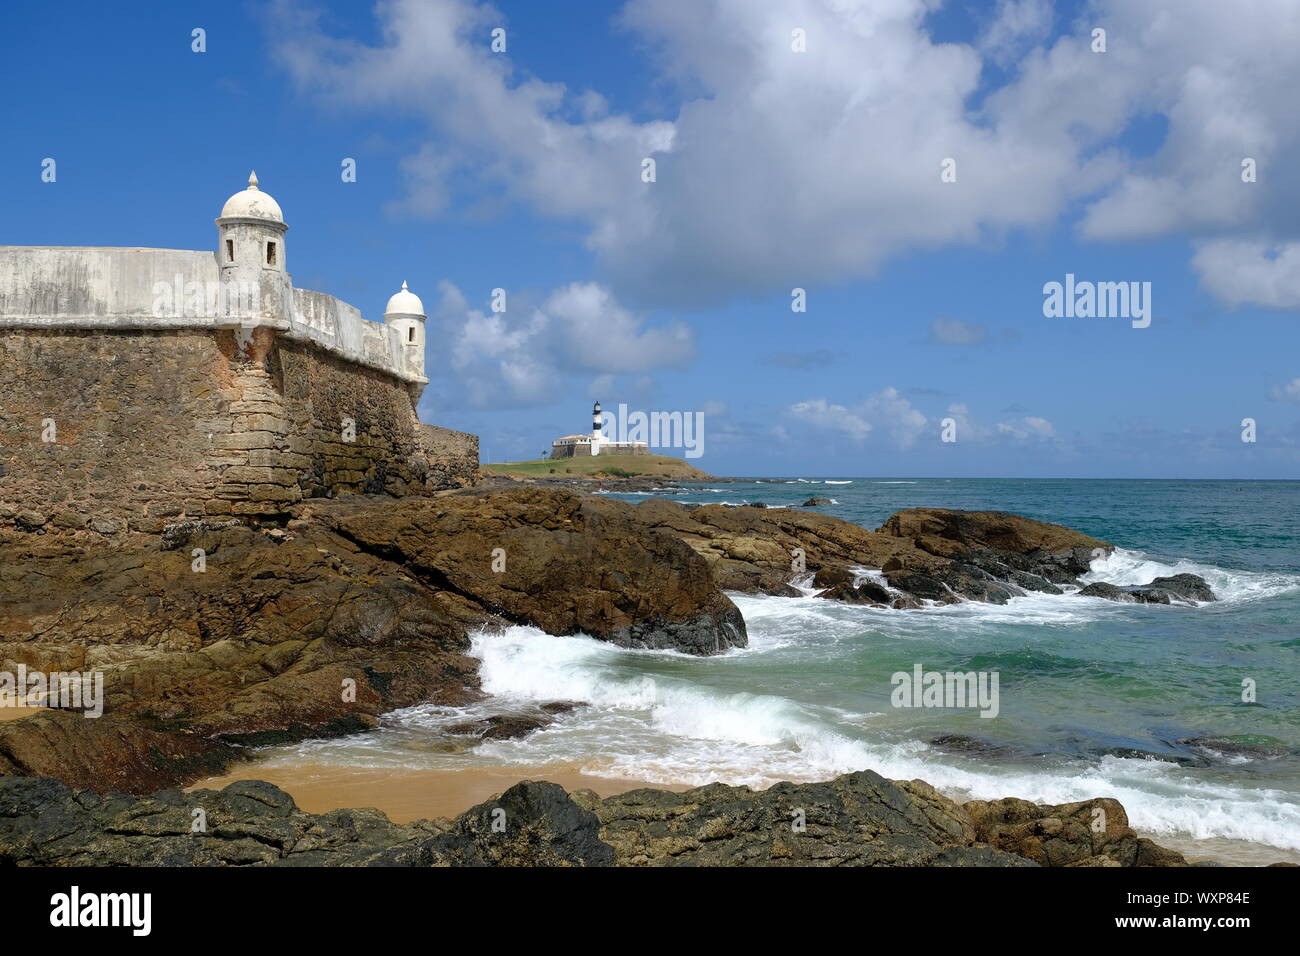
[(521, 357), (1018, 25), (822, 415), (601, 336), (771, 169), (1221, 80), (885, 410), (1240, 271), (782, 169), (966, 428), (1028, 428), (1290, 392)]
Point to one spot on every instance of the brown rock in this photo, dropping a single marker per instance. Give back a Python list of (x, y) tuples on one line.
[(363, 609), (1088, 833)]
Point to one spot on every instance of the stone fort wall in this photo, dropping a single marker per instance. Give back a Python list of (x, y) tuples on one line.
[(117, 428)]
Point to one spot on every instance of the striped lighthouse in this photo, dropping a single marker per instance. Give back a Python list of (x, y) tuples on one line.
[(596, 423)]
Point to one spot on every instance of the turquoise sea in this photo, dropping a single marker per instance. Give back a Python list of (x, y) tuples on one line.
[(1095, 698)]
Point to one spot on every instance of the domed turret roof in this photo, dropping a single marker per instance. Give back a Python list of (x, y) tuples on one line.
[(252, 203), (404, 303)]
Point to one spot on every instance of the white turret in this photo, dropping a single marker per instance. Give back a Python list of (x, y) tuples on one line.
[(405, 316), (251, 256)]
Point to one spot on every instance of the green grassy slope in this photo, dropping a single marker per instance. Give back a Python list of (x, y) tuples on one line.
[(602, 466)]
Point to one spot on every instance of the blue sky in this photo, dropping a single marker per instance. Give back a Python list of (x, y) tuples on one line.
[(775, 169)]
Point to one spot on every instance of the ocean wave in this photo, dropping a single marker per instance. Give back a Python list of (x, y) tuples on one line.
[(669, 729), (666, 719), (1124, 567)]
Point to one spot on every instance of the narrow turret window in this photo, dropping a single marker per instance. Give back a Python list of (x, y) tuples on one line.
[(410, 334), (230, 250), (270, 253)]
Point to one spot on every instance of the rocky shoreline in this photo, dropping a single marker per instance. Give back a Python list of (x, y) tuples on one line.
[(859, 819), (220, 634)]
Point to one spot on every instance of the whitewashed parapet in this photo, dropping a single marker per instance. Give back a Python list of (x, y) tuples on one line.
[(84, 287), (89, 287)]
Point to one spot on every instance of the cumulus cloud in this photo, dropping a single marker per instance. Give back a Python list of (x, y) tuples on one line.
[(522, 357), (889, 413), (742, 200), (1220, 81), (781, 168), (886, 411), (1017, 26), (1028, 428), (825, 416), (1240, 271), (600, 335)]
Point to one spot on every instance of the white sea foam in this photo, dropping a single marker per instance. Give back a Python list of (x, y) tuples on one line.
[(681, 730), (1124, 567), (666, 718), (663, 717)]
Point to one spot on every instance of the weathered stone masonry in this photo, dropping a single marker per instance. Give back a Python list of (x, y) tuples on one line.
[(117, 414), (149, 426)]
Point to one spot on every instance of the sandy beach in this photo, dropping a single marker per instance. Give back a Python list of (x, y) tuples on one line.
[(17, 713)]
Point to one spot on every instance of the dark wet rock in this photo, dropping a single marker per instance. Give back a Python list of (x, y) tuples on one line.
[(1180, 588), (501, 726), (921, 586), (816, 502), (43, 822), (1126, 595), (976, 584), (1250, 746), (251, 823), (542, 825), (837, 585), (1188, 587), (1016, 569), (972, 746), (1142, 753), (1111, 592), (859, 819), (1151, 596), (563, 706), (868, 592)]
